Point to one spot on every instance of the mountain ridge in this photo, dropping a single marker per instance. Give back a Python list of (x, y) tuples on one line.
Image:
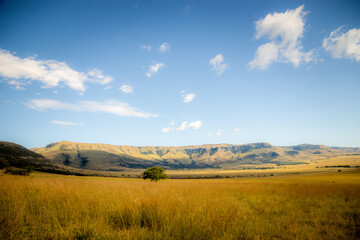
[(99, 156)]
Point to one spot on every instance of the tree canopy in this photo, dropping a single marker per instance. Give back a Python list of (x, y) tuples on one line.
[(154, 174)]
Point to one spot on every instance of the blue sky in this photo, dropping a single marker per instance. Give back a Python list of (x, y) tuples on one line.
[(180, 72)]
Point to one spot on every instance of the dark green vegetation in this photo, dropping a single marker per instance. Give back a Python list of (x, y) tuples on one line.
[(108, 157), (154, 174), (18, 171)]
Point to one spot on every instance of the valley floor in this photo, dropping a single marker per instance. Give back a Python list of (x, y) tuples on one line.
[(324, 205)]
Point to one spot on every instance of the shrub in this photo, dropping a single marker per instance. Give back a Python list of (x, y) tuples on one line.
[(3, 163), (154, 174), (18, 171)]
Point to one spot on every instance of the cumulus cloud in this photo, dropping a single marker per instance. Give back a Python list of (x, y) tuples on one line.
[(65, 123), (146, 47), (184, 125), (110, 106), (285, 31), (343, 45), (126, 88), (218, 64), (165, 47), (219, 132), (50, 73), (153, 69)]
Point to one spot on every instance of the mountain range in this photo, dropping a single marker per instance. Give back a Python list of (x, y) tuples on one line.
[(106, 157)]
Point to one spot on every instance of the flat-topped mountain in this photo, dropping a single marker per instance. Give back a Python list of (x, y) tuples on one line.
[(111, 157)]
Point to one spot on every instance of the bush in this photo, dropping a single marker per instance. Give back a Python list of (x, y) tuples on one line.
[(18, 171), (3, 163), (154, 174)]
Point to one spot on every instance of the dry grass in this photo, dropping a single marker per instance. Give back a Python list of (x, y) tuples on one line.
[(314, 206)]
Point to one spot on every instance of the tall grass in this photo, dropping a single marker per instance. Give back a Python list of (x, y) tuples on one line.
[(44, 207)]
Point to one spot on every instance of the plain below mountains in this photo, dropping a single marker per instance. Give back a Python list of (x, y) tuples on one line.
[(106, 157)]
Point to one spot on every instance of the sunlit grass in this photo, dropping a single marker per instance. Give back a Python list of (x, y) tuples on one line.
[(313, 206)]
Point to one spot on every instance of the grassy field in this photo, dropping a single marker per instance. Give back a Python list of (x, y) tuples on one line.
[(308, 206)]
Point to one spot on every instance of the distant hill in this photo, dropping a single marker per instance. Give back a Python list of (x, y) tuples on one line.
[(108, 157), (14, 155)]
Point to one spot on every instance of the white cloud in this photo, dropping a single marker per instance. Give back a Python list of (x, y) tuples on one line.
[(184, 125), (285, 31), (219, 132), (126, 88), (56, 91), (64, 123), (344, 45), (188, 97), (146, 47), (110, 106), (237, 130), (153, 69), (17, 85), (96, 76), (165, 130), (50, 73), (165, 47), (218, 65), (107, 87)]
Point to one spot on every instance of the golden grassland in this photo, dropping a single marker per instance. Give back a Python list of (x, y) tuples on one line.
[(324, 205)]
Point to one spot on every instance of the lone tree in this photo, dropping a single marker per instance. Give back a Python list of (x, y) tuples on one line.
[(154, 173)]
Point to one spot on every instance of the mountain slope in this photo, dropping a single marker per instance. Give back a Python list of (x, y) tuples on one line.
[(14, 155), (111, 157)]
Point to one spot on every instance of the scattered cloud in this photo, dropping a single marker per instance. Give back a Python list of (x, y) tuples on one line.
[(219, 132), (184, 125), (64, 123), (107, 87), (343, 45), (146, 47), (165, 47), (218, 64), (237, 130), (153, 69), (110, 106), (285, 31), (56, 91), (168, 129), (126, 88), (188, 97), (17, 85), (50, 73)]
